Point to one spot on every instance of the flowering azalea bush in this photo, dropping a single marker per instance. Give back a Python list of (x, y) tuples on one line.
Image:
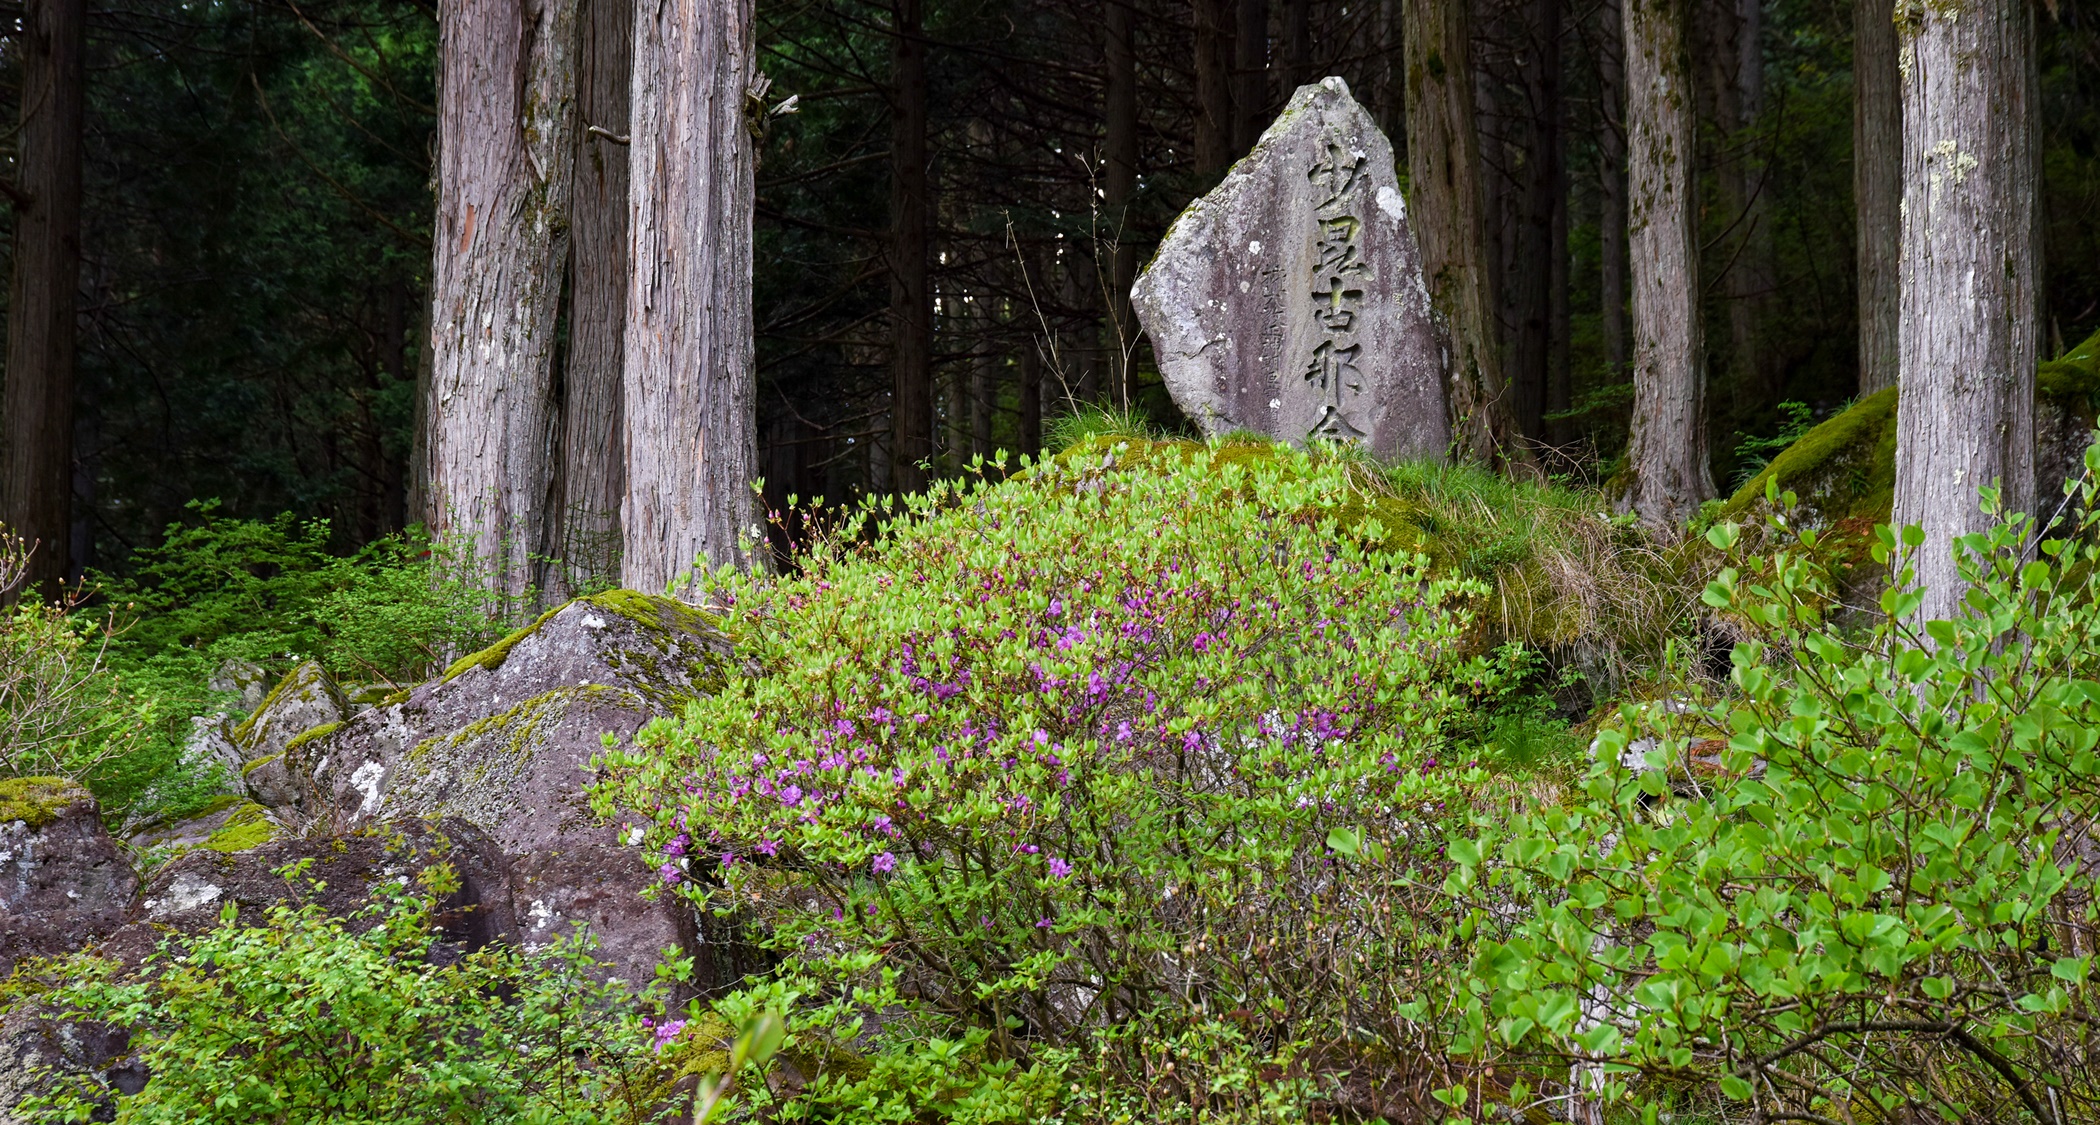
[(1052, 754)]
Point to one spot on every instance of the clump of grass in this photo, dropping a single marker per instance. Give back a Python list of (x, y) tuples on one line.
[(1569, 578), (1094, 420)]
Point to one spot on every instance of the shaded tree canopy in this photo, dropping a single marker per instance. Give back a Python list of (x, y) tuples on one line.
[(254, 291)]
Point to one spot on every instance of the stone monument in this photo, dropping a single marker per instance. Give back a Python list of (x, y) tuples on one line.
[(1289, 301)]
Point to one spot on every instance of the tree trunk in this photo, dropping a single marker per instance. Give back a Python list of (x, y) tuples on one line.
[(1119, 185), (1666, 461), (1250, 74), (38, 395), (1443, 164), (1530, 283), (1737, 73), (911, 294), (690, 386), (1213, 25), (1611, 187), (506, 119), (984, 375), (1559, 357), (1877, 187), (593, 449), (955, 427), (1971, 260), (1031, 398), (1297, 45)]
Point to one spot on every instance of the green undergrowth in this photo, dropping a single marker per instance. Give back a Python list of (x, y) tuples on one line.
[(222, 602)]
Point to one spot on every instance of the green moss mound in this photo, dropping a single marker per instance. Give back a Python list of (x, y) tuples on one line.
[(247, 828), (314, 734), (2073, 382), (1844, 471), (37, 801), (1845, 467)]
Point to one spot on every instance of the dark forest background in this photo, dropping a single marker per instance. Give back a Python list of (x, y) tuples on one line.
[(256, 237)]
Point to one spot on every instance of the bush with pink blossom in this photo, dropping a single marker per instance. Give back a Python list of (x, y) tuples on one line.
[(1025, 760)]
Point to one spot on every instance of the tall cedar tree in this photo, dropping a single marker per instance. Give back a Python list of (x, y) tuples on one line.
[(36, 497), (1877, 187), (1971, 260), (911, 292), (1443, 166), (691, 432), (593, 434), (1668, 475), (507, 113)]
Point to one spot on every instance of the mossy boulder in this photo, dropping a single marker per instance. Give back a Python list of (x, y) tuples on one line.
[(503, 740), (37, 801), (307, 699), (63, 881), (504, 736), (186, 895), (230, 823)]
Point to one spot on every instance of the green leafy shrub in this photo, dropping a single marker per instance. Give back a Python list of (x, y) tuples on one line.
[(314, 1019), (266, 594), (1861, 892), (62, 711), (1048, 757), (271, 593)]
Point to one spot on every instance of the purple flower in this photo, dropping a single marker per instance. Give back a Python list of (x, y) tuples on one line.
[(1059, 869), (791, 796), (667, 1031), (669, 874), (884, 864)]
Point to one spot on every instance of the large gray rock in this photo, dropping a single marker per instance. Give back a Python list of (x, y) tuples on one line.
[(186, 895), (63, 881), (306, 700), (1290, 301), (504, 741), (38, 1045)]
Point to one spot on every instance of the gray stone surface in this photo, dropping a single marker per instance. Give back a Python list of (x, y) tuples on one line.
[(63, 881), (186, 895), (504, 741), (307, 698), (242, 678), (1290, 301), (36, 1045)]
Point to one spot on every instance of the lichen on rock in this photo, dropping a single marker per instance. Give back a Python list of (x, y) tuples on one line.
[(37, 801)]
